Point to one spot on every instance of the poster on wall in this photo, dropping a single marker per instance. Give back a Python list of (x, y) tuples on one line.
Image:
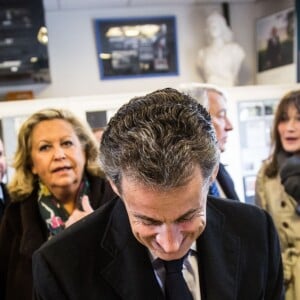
[(136, 47), (255, 125), (24, 58), (275, 48)]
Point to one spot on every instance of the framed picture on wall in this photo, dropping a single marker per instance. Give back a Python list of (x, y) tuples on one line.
[(275, 47), (136, 47), (24, 58)]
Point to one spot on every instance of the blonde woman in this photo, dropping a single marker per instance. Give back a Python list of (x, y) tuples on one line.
[(57, 181)]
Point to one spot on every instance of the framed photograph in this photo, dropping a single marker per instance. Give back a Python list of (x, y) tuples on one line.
[(24, 58), (275, 36), (136, 47)]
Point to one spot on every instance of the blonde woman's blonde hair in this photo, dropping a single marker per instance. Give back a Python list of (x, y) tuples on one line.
[(24, 181)]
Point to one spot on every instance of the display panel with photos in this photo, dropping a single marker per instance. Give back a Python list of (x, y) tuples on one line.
[(136, 47), (255, 125), (23, 43)]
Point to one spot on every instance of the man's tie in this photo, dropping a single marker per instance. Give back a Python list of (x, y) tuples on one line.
[(175, 285), (213, 190)]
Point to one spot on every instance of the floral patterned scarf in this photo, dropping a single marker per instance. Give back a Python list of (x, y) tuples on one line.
[(51, 210)]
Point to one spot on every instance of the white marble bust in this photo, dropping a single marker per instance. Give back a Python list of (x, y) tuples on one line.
[(219, 62)]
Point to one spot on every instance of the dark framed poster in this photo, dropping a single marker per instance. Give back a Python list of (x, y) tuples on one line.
[(136, 47), (23, 43), (275, 35)]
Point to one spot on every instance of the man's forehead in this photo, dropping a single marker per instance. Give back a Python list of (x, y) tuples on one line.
[(213, 94), (129, 179)]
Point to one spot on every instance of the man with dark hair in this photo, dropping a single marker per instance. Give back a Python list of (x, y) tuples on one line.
[(161, 238), (273, 51)]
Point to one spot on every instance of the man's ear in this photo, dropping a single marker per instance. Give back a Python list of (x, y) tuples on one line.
[(114, 187), (214, 173)]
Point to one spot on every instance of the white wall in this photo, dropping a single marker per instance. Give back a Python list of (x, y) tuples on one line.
[(73, 58), (76, 82)]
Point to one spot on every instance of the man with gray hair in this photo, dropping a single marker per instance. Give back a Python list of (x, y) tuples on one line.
[(161, 238), (214, 99)]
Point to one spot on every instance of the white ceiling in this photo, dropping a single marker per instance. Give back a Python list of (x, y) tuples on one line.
[(90, 4)]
